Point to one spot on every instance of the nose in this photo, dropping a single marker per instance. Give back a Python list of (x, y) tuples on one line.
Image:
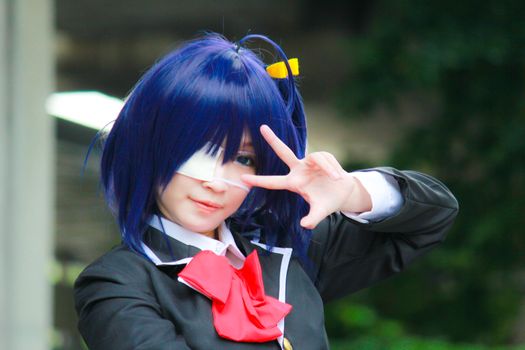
[(216, 185)]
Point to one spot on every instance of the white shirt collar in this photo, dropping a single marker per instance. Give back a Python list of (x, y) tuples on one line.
[(226, 244)]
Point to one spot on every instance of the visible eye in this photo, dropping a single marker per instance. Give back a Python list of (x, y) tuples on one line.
[(246, 159)]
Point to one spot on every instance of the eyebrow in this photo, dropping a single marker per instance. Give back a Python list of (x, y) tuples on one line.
[(247, 144)]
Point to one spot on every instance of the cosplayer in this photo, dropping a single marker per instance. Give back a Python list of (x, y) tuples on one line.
[(234, 237)]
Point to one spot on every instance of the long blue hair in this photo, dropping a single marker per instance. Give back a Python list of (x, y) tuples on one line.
[(207, 90)]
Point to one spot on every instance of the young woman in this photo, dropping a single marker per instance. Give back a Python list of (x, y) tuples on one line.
[(233, 237)]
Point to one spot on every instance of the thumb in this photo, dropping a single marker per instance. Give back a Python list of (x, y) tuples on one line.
[(314, 217)]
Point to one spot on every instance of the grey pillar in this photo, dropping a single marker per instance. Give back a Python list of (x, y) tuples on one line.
[(26, 174)]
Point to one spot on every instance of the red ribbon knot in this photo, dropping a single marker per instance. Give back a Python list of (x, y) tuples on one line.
[(241, 310)]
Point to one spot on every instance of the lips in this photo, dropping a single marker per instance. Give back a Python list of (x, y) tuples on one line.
[(206, 205)]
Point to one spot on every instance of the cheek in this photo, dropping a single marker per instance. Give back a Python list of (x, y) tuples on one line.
[(172, 196), (236, 198)]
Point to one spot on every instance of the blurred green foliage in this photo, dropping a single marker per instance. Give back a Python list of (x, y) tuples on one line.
[(466, 60), (411, 343)]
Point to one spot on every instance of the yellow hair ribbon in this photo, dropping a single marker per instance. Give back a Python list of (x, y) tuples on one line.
[(278, 70)]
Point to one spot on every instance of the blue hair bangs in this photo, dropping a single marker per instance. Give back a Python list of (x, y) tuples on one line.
[(209, 90)]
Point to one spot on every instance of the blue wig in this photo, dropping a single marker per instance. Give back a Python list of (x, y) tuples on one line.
[(208, 90)]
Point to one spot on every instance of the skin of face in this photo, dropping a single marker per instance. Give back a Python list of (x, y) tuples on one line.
[(201, 206)]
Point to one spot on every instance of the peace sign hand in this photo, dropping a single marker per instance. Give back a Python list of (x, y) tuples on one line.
[(318, 178)]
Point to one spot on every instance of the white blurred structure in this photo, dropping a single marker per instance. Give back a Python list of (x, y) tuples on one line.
[(26, 174), (92, 109)]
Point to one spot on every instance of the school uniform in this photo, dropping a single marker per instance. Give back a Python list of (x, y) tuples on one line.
[(126, 301)]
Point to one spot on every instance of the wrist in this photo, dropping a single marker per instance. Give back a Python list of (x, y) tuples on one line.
[(358, 200)]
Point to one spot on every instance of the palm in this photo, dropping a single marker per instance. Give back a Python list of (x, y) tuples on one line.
[(312, 184)]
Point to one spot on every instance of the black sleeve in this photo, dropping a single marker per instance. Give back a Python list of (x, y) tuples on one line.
[(116, 311), (349, 255)]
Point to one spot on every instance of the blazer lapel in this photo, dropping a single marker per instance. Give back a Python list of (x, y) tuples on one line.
[(166, 248)]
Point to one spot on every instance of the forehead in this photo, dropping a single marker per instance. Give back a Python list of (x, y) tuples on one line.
[(246, 141)]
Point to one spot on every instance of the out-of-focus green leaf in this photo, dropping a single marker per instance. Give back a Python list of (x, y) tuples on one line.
[(469, 57)]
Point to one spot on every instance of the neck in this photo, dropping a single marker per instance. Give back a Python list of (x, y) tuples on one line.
[(212, 234)]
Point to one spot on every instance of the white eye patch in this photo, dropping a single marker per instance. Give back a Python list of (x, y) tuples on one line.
[(202, 166)]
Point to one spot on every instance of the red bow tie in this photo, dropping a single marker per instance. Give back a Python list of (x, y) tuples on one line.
[(241, 311)]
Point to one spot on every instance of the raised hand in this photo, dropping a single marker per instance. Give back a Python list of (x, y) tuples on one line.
[(318, 178)]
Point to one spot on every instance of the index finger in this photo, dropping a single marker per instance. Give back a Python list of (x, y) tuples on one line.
[(278, 146), (270, 182)]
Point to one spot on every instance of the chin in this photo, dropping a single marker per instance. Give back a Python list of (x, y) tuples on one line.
[(201, 227)]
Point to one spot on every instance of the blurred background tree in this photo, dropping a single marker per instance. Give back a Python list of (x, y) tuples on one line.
[(467, 60)]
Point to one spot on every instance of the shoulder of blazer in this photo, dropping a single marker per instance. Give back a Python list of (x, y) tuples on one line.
[(121, 261)]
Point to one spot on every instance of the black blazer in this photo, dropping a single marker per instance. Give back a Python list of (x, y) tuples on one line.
[(126, 302)]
